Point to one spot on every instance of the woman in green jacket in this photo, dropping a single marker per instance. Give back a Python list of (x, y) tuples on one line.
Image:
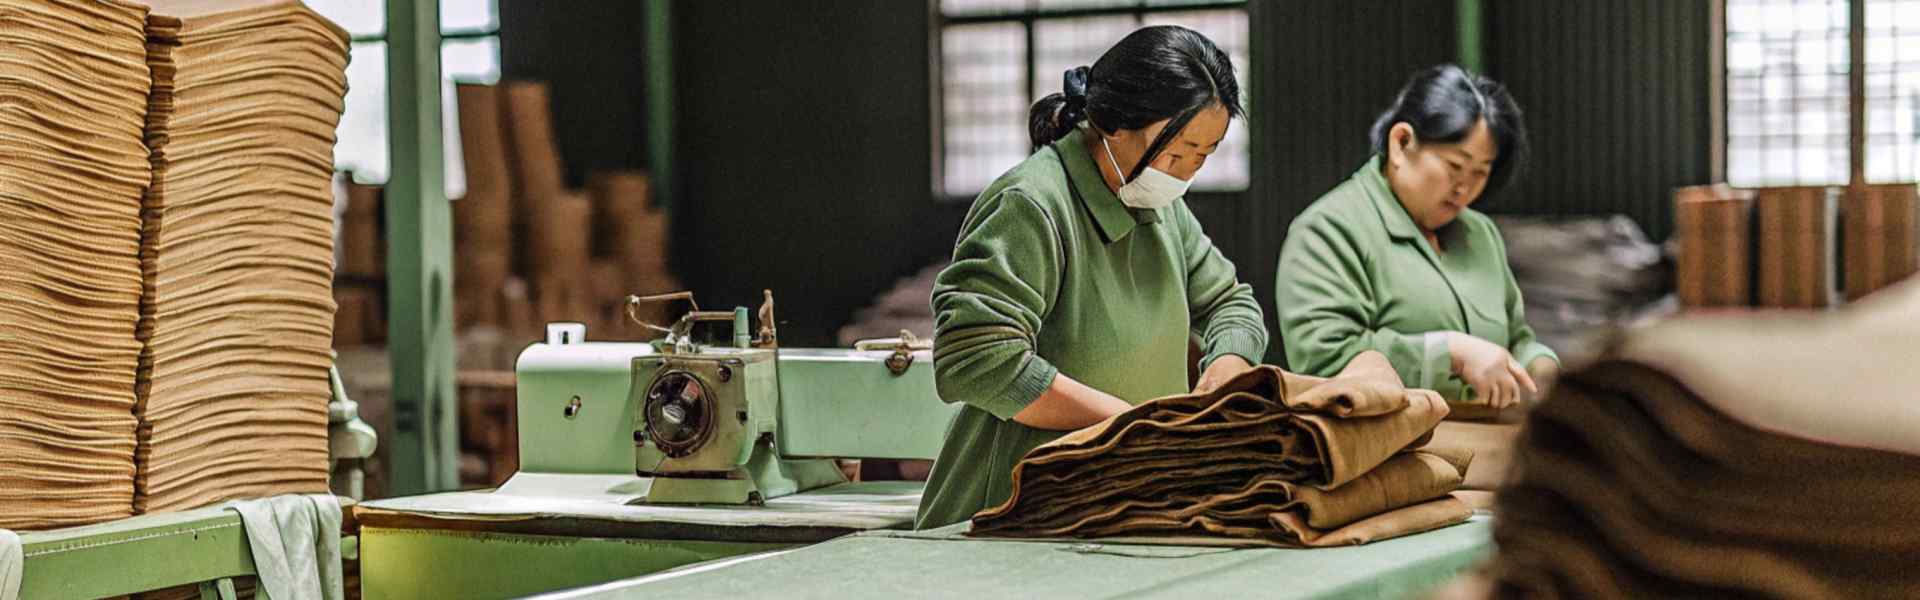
[(1080, 275), (1394, 259)]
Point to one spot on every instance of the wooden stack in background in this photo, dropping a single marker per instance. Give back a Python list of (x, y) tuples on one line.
[(239, 250), (1881, 235), (530, 249), (72, 169), (484, 219), (358, 290), (1797, 262), (630, 238), (1714, 227)]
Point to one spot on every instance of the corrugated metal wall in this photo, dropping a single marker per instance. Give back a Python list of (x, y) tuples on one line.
[(1617, 95), (1322, 72)]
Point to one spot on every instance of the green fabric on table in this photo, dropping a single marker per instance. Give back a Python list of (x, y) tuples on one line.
[(944, 563), (1053, 275), (1356, 274)]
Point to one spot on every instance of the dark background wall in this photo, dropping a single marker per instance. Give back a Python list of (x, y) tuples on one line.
[(804, 154), (804, 144), (1617, 95), (592, 54)]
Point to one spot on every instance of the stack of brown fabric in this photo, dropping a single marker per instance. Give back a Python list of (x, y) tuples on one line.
[(73, 89), (1270, 458), (238, 251), (1797, 262), (1882, 233), (359, 319), (1733, 456), (483, 220), (1714, 227), (630, 245)]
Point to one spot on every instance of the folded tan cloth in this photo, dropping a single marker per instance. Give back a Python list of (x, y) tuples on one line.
[(1705, 460), (1270, 458)]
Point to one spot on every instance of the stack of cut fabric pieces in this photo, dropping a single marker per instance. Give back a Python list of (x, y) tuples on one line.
[(73, 89), (1730, 456), (238, 251), (1271, 458)]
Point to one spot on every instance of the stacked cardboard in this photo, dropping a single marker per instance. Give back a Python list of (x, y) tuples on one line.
[(531, 250), (238, 251), (1714, 227), (1797, 262), (631, 238), (359, 319), (1881, 235), (483, 220), (73, 89)]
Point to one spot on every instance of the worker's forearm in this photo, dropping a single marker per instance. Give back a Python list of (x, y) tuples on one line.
[(1069, 405)]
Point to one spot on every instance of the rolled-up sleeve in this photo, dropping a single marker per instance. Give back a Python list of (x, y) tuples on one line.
[(989, 304), (1222, 309), (1324, 302)]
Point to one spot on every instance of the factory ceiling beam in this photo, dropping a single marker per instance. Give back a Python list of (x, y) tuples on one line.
[(425, 453)]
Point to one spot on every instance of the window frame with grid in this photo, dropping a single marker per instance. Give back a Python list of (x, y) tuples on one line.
[(1865, 124), (1000, 121)]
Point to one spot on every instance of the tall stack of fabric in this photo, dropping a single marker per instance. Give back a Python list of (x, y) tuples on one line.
[(238, 251), (1714, 227), (1270, 458), (73, 92), (1766, 455), (1797, 263), (1882, 233)]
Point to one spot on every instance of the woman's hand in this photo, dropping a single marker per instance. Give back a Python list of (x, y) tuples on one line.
[(1224, 368), (1489, 370), (1544, 371)]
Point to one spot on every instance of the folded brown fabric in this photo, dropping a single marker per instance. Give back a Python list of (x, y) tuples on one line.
[(73, 89), (1491, 445), (1270, 458), (237, 252), (1671, 469)]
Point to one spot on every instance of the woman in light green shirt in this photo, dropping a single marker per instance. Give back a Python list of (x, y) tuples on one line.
[(1080, 275), (1394, 259)]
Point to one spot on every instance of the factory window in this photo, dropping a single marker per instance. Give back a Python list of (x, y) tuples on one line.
[(998, 56), (469, 52), (1790, 103)]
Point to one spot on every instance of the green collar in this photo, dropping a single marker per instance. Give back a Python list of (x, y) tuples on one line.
[(1114, 219), (1393, 215)]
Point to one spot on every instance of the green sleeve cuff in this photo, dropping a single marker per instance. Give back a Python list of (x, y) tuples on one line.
[(1436, 368), (1035, 376), (1531, 351), (1244, 344)]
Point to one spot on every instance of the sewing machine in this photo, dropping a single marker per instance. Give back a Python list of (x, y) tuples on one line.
[(711, 441)]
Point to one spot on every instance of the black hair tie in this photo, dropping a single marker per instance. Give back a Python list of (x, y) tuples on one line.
[(1074, 88)]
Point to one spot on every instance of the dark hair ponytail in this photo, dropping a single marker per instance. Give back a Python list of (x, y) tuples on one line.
[(1154, 74), (1442, 104), (1054, 116)]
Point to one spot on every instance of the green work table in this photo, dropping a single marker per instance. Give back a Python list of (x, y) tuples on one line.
[(206, 546), (943, 563), (495, 545)]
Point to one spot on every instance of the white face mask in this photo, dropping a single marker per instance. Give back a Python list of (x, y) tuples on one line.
[(1153, 189)]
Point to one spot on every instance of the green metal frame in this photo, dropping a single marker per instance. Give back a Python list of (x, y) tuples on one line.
[(419, 257), (151, 552), (660, 102), (1472, 49)]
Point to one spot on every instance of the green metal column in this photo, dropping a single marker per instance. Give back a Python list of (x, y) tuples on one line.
[(1472, 50), (419, 256), (660, 101)]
